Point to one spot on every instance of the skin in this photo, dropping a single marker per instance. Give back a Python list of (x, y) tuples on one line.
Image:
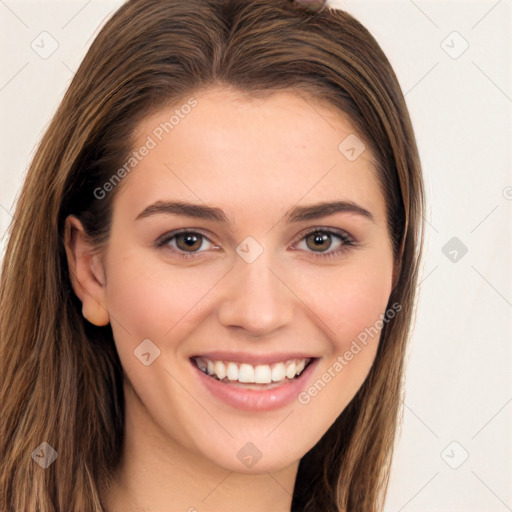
[(254, 159)]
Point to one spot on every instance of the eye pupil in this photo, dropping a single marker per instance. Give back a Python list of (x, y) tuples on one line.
[(318, 239)]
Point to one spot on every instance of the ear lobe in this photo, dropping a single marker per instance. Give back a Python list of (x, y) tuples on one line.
[(86, 272)]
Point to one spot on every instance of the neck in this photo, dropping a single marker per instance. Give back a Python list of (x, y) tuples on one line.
[(158, 474)]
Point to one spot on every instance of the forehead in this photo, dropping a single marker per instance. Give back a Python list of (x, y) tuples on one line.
[(275, 150)]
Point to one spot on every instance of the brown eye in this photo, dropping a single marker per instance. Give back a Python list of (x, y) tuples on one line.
[(185, 244), (327, 242), (189, 242), (318, 241)]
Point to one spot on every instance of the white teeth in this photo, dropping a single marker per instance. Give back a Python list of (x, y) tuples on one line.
[(263, 374), (219, 369), (247, 373), (290, 370), (278, 372), (300, 367), (232, 371)]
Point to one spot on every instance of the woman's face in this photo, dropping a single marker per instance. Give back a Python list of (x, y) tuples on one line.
[(260, 276)]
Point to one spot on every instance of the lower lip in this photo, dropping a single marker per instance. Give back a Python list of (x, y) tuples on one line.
[(253, 399)]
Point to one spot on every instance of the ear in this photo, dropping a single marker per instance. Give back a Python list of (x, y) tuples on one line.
[(86, 272)]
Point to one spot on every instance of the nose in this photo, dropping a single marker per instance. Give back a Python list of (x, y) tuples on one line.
[(255, 298)]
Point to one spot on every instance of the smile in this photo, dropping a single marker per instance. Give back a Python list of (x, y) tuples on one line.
[(229, 371), (262, 385)]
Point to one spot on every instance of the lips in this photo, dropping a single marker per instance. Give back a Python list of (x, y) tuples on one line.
[(253, 382)]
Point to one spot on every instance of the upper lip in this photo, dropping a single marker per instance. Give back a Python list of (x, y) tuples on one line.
[(254, 359)]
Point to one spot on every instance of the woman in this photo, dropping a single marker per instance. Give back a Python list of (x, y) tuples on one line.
[(211, 271)]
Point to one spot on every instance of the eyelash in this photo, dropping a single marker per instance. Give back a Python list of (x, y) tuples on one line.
[(347, 242)]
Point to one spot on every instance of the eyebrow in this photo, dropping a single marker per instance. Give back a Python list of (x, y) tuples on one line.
[(297, 214)]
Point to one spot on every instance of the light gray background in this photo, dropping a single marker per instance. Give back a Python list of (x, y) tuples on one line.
[(459, 388)]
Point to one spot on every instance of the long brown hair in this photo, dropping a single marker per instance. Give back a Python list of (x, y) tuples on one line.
[(61, 378)]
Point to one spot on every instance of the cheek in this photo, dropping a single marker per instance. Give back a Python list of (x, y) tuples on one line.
[(357, 327), (154, 301), (351, 310), (361, 300), (349, 298), (350, 301)]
